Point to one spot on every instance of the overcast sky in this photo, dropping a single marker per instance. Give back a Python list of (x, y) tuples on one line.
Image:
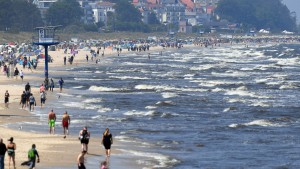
[(294, 6)]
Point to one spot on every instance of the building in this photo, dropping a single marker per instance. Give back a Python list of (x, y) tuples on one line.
[(88, 17), (184, 27), (43, 6), (100, 10)]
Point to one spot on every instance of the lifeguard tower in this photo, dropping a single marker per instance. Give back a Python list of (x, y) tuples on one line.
[(46, 37)]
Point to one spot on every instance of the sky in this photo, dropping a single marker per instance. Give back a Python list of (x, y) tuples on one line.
[(294, 6)]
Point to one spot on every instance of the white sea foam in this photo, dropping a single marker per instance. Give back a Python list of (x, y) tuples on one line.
[(165, 102), (93, 100), (154, 87), (242, 91), (189, 75), (163, 160), (260, 122), (168, 95), (234, 125), (140, 113), (103, 110), (78, 87), (230, 74), (218, 90), (85, 71), (160, 88), (74, 104), (65, 95), (105, 89), (261, 104), (288, 86), (86, 79), (150, 107), (128, 77)]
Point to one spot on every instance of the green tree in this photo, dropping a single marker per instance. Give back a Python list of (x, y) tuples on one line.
[(152, 19), (126, 12), (127, 18), (19, 15), (6, 14), (257, 13), (27, 16), (64, 12)]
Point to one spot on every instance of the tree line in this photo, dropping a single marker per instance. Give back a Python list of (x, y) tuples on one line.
[(259, 14), (22, 15)]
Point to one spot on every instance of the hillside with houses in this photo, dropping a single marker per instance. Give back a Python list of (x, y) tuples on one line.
[(177, 15), (169, 16)]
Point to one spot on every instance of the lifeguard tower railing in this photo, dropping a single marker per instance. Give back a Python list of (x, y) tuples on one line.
[(46, 35)]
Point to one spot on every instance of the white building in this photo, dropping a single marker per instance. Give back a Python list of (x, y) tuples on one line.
[(100, 10)]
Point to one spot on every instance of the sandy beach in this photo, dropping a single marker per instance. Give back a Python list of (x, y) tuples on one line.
[(54, 150)]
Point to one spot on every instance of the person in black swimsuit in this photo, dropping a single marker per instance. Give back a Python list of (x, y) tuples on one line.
[(107, 141), (11, 148), (6, 98)]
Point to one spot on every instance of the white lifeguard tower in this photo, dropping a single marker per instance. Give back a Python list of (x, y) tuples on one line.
[(46, 37)]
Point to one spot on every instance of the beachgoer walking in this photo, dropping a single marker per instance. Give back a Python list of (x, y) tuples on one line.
[(27, 87), (87, 58), (5, 69), (84, 137), (51, 121), (32, 102), (2, 153), (46, 84), (80, 160), (42, 88), (51, 85), (66, 121), (11, 147), (61, 83), (27, 93), (16, 73), (23, 100), (65, 60), (8, 72), (22, 75), (107, 141), (43, 98), (32, 154), (6, 98)]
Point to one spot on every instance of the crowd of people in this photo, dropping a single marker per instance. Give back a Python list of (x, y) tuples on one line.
[(28, 100)]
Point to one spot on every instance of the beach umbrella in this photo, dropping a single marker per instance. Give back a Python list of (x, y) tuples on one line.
[(37, 51)]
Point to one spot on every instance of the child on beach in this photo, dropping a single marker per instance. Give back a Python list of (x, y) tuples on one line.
[(104, 165), (32, 154), (22, 75)]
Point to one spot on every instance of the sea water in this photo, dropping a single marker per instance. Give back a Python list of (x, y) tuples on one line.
[(227, 107)]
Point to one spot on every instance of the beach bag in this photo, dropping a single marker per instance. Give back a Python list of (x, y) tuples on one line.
[(31, 154)]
